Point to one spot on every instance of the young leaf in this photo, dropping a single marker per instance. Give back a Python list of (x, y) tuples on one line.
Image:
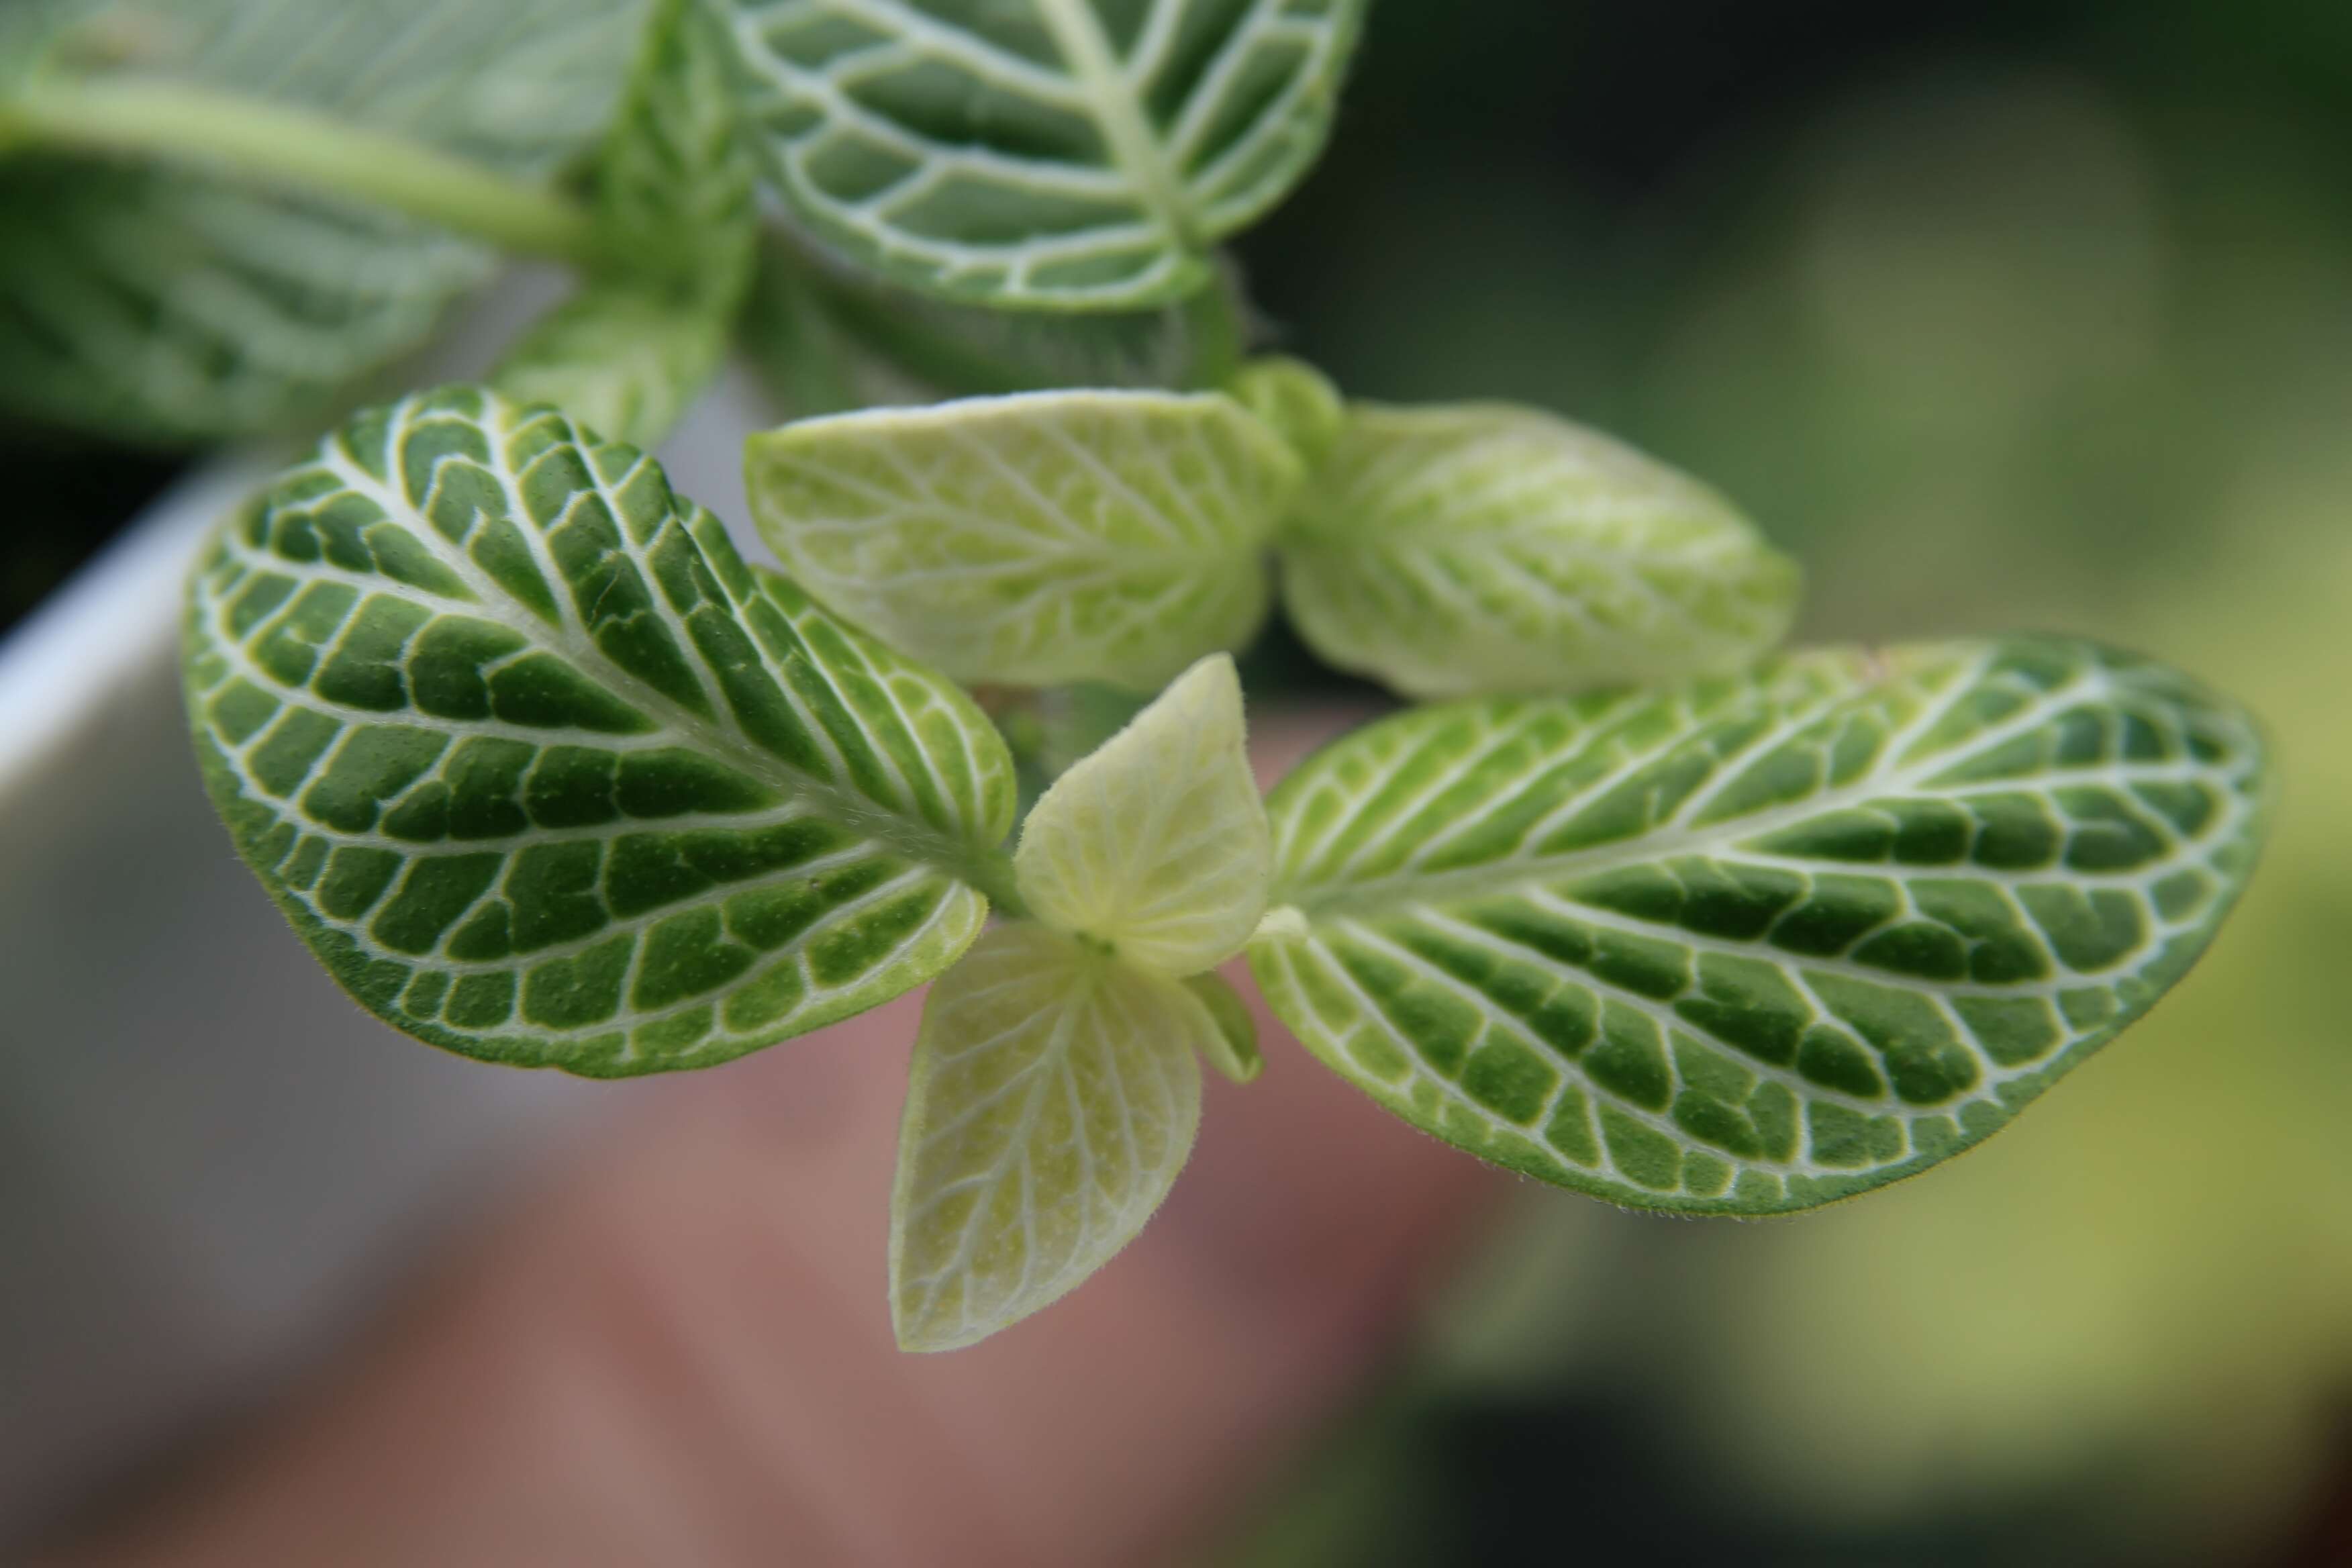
[(622, 360), (1298, 400), (1031, 539), (175, 305), (1060, 153), (544, 774), (627, 354), (1054, 1098), (676, 178), (1157, 846), (1757, 943), (1478, 548)]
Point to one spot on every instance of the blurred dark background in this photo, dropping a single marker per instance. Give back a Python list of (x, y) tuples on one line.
[(1998, 315)]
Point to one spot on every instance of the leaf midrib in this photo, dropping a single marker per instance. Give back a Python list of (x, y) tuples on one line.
[(1078, 34), (1373, 896)]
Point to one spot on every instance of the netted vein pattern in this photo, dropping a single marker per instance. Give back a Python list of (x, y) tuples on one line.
[(545, 774), (1057, 152), (1758, 944)]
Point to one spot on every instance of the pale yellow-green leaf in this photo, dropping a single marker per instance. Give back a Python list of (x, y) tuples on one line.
[(1235, 1052), (1054, 1098), (1156, 845), (1478, 548), (1297, 399), (1033, 539)]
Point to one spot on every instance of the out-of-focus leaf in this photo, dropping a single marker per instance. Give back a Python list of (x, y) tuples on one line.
[(1758, 944), (831, 338), (623, 360), (173, 305), (1234, 1053), (1454, 550), (674, 190), (545, 774), (1060, 153), (1298, 400)]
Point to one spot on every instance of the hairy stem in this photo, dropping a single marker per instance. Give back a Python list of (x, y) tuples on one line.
[(303, 150)]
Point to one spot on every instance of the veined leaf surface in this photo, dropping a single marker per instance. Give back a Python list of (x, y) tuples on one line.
[(545, 774), (1456, 550), (1054, 1096), (831, 338), (1034, 539), (1061, 154), (1156, 845), (1758, 944), (175, 305)]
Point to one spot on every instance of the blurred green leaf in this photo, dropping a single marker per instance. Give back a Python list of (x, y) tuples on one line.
[(675, 188), (173, 305), (1234, 1051), (1470, 548), (1058, 153)]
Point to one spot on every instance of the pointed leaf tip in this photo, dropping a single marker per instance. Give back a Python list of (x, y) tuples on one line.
[(1157, 843), (1054, 1097)]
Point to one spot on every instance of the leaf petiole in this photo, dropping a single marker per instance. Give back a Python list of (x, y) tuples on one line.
[(306, 152)]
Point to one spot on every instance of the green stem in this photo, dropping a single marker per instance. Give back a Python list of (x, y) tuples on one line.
[(304, 150), (990, 873)]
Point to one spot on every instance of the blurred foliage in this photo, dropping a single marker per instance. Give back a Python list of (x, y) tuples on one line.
[(2025, 321)]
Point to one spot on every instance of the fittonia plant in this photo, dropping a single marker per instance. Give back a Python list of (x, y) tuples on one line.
[(547, 774)]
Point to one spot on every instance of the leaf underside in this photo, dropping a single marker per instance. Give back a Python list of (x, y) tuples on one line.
[(1759, 943), (1054, 1096), (174, 305), (545, 774), (1472, 549), (1057, 153), (1035, 539), (887, 343)]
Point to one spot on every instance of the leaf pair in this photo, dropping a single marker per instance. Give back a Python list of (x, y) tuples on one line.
[(1054, 1093), (1034, 540)]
